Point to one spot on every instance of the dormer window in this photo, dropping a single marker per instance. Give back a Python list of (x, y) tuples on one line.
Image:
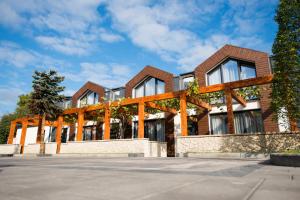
[(231, 70), (148, 87), (89, 98), (114, 94)]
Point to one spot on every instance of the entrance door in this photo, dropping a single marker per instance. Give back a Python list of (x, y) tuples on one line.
[(170, 139)]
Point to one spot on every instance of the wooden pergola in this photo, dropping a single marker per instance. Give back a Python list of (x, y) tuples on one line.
[(142, 102)]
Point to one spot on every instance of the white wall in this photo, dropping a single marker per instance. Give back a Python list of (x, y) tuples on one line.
[(31, 135)]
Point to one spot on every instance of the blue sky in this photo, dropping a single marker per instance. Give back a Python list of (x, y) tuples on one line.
[(107, 42)]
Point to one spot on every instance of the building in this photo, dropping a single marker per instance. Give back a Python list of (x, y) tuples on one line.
[(230, 64)]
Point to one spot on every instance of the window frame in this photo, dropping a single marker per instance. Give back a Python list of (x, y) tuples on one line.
[(240, 63), (143, 84), (238, 111)]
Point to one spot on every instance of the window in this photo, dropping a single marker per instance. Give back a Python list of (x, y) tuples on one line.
[(114, 94), (247, 72), (186, 81), (248, 122), (153, 129), (88, 99), (214, 77), (192, 125), (244, 122), (150, 86), (231, 70), (218, 124)]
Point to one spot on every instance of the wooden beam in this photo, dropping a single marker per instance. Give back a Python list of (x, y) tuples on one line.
[(141, 119), (169, 95), (23, 135), (58, 133), (230, 116), (107, 124), (237, 84), (183, 115), (199, 103), (162, 108), (239, 98), (80, 123), (11, 132)]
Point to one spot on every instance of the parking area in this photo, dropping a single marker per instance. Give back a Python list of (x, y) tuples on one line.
[(140, 178)]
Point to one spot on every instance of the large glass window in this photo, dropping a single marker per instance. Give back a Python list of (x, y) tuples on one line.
[(214, 77), (244, 122), (88, 99), (150, 86), (247, 72), (218, 124), (153, 129), (186, 81), (160, 87), (248, 122), (231, 70)]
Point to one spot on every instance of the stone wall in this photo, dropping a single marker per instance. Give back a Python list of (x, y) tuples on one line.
[(9, 149), (124, 147), (32, 149), (250, 143)]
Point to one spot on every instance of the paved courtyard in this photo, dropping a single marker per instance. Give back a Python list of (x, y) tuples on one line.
[(140, 178)]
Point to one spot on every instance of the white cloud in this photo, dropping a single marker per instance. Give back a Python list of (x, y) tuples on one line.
[(109, 37), (9, 96), (12, 54), (167, 28), (108, 75), (67, 46), (69, 27)]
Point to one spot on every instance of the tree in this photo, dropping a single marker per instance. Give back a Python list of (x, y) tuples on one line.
[(23, 105), (286, 50), (21, 110), (45, 99), (5, 126)]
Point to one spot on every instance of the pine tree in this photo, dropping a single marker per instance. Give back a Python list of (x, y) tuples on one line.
[(45, 99), (286, 49)]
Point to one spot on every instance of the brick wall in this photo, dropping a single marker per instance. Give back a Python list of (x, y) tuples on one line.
[(153, 72), (261, 61), (88, 86)]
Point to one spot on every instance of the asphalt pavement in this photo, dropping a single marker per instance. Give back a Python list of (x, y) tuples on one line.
[(64, 178)]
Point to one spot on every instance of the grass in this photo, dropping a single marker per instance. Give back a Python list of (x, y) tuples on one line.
[(292, 151)]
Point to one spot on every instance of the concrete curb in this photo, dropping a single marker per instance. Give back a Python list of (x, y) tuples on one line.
[(291, 160)]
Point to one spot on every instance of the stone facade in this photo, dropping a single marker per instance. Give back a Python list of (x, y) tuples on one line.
[(250, 143), (124, 147), (9, 149)]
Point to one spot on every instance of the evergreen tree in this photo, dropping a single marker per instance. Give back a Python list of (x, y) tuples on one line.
[(45, 99), (286, 49)]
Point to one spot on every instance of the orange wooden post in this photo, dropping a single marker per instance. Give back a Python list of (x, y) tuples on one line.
[(23, 134), (141, 123), (183, 115), (107, 124), (80, 123), (11, 132), (58, 132), (230, 116)]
